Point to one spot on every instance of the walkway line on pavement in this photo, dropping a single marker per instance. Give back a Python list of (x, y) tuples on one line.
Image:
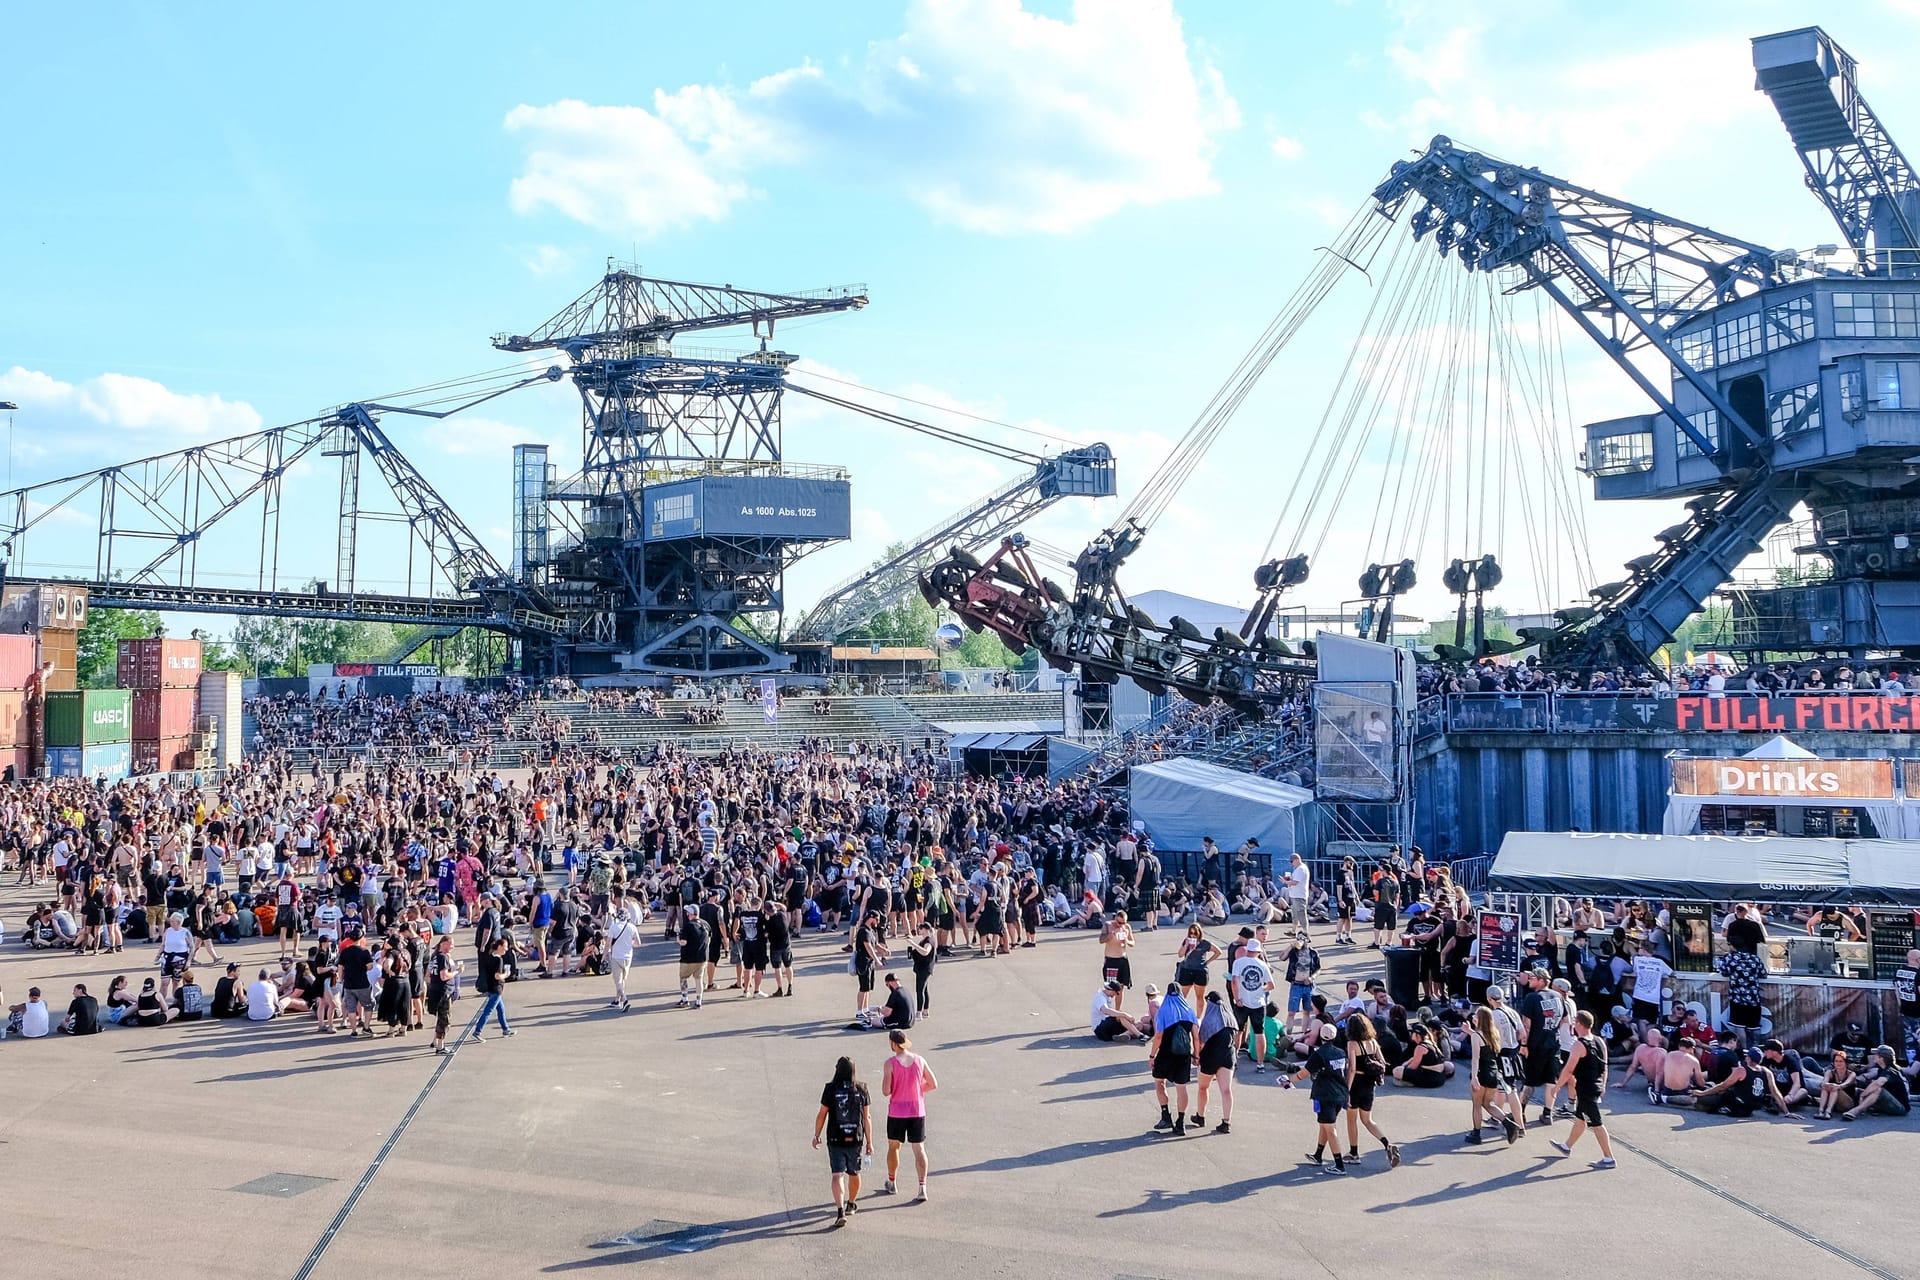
[(1756, 1210), (393, 1139)]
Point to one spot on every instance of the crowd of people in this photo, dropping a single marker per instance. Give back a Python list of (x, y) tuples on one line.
[(337, 719)]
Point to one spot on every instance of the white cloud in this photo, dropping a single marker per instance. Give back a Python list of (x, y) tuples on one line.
[(548, 260), (53, 410), (1286, 148), (992, 118), (469, 437)]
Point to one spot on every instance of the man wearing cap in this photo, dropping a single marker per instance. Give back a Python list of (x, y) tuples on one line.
[(1252, 984), (1541, 1011), (1783, 1082), (693, 958), (1108, 1022)]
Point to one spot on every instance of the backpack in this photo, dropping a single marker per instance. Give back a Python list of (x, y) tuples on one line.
[(845, 1115), (1370, 1066), (1178, 1042)]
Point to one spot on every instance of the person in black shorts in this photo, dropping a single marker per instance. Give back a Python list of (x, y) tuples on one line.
[(1586, 1072), (1326, 1066), (780, 951), (1366, 1068), (1173, 1050), (1216, 1063), (847, 1119)]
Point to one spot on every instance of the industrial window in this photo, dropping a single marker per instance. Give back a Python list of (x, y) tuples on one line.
[(1789, 322), (1696, 347), (1737, 338), (1853, 392), (1794, 410), (1622, 455), (1876, 315), (1707, 424), (1895, 384), (675, 507)]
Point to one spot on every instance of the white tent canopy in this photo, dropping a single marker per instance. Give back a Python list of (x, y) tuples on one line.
[(1779, 748), (1179, 801)]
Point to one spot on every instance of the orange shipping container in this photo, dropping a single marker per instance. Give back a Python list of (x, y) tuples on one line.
[(163, 713), (16, 764), (15, 726), (163, 756), (159, 663), (18, 654)]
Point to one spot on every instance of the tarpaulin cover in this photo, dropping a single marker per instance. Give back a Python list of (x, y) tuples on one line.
[(1181, 800), (1779, 869)]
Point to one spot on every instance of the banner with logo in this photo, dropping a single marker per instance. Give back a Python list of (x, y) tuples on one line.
[(1738, 713), (1764, 780), (1499, 941), (769, 700)]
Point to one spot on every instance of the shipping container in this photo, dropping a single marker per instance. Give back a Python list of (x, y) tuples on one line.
[(112, 760), (163, 756), (16, 765), (159, 663), (222, 706), (15, 728), (19, 658), (86, 717), (58, 650), (163, 713)]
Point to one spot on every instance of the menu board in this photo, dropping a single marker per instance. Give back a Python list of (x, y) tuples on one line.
[(1817, 822), (1499, 941), (1892, 934), (1692, 937)]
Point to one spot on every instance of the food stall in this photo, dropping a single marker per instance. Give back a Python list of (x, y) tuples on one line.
[(1815, 984), (1782, 789)]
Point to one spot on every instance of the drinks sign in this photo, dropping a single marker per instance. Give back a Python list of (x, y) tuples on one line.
[(1775, 779)]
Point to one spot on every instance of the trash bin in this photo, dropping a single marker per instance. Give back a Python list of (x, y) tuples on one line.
[(1403, 975)]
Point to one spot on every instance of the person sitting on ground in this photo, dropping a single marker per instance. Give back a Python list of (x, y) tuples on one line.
[(148, 1010), (1837, 1090), (228, 1000), (31, 1020), (189, 1001), (263, 999), (895, 1014), (1088, 915), (1730, 1076), (1782, 1075), (1213, 906), (119, 999), (1649, 1060), (83, 1014), (1108, 1022), (1883, 1088), (1425, 1067), (1681, 1076)]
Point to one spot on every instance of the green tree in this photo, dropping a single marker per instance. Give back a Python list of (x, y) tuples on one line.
[(97, 656), (911, 622), (1441, 630), (985, 649), (220, 655)]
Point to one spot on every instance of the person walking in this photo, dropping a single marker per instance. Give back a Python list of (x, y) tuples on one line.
[(846, 1118), (492, 962), (1197, 951), (1489, 1089), (1172, 1051), (622, 934), (1302, 964), (1252, 983), (1586, 1071), (1216, 1063), (906, 1081), (922, 950), (1326, 1067), (1366, 1068), (1299, 889)]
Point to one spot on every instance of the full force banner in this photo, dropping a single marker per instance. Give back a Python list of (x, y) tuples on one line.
[(1744, 713)]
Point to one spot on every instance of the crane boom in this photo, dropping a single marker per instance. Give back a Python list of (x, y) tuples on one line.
[(1087, 472), (1852, 163), (626, 308)]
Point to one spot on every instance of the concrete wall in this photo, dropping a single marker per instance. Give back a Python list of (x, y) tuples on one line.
[(1470, 789)]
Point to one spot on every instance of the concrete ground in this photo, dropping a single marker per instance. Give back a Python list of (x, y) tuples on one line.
[(677, 1142)]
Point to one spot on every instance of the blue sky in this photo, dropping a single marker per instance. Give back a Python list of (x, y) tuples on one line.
[(1073, 217)]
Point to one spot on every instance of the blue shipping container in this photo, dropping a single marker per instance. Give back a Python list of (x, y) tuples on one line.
[(112, 760), (750, 507)]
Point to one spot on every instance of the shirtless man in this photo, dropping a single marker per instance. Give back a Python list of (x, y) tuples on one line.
[(1649, 1059), (1115, 941), (1680, 1075)]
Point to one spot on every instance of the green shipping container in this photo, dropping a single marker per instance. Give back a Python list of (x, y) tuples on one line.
[(88, 717)]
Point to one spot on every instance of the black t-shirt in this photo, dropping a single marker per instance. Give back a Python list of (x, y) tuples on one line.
[(354, 963), (846, 1105), (1327, 1064), (899, 1010), (863, 939), (1782, 1071), (85, 1012), (751, 923), (1544, 1010), (490, 967), (565, 916), (224, 998), (693, 942), (779, 931), (1744, 934)]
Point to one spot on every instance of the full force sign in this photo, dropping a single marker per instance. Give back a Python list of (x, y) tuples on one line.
[(1838, 780), (1858, 712)]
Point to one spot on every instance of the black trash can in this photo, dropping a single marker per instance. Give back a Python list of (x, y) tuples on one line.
[(1403, 975)]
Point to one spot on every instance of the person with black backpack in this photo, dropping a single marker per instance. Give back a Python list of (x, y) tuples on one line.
[(847, 1120), (1173, 1051)]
